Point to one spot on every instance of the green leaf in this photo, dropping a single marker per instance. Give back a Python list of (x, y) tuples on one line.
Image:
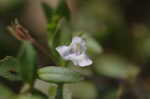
[(93, 46), (59, 75), (53, 20), (63, 10), (27, 59), (9, 68), (54, 14), (48, 11), (54, 17), (116, 67)]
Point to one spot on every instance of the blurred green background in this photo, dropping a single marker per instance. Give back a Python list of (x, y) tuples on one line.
[(118, 39)]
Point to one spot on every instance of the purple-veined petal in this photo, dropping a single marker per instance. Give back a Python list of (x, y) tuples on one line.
[(75, 52)]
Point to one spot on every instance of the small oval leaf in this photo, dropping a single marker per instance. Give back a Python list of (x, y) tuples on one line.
[(27, 60), (59, 75)]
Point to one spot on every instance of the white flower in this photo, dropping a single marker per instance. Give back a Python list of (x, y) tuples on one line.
[(75, 52)]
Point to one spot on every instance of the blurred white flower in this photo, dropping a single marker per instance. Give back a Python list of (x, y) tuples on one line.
[(75, 52)]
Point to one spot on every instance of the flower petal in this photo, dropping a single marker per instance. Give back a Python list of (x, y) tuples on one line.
[(75, 52), (81, 60), (63, 51), (85, 62), (78, 43), (76, 40)]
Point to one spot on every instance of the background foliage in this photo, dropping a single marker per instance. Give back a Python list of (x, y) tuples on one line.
[(118, 41)]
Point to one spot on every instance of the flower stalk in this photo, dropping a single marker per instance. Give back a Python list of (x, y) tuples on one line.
[(59, 94)]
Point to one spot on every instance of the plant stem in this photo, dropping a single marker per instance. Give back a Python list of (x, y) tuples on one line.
[(59, 94)]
